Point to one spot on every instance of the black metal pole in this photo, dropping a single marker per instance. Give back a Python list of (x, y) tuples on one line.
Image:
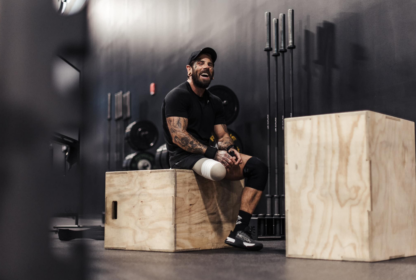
[(282, 50), (109, 130), (291, 47), (118, 114), (276, 215), (126, 116), (267, 49)]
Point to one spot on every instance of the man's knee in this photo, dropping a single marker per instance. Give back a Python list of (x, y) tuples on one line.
[(256, 174), (210, 169)]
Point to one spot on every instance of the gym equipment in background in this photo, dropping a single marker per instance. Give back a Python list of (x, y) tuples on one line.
[(126, 117), (282, 50), (141, 135), (291, 47), (282, 26), (118, 116), (276, 197), (109, 97), (267, 49), (70, 148), (229, 101), (68, 7), (162, 157), (260, 223), (139, 161)]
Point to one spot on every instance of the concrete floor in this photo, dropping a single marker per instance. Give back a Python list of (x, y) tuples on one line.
[(270, 263)]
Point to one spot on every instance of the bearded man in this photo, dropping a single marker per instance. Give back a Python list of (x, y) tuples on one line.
[(190, 115)]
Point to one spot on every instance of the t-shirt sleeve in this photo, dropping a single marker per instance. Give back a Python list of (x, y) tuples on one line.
[(176, 104), (219, 113)]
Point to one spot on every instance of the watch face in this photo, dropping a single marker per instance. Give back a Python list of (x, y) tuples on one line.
[(69, 7)]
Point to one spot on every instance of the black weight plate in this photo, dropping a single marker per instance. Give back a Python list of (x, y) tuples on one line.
[(229, 102), (234, 136), (141, 135), (158, 164), (162, 157), (139, 161)]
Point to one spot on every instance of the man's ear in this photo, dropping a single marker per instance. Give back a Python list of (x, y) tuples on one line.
[(189, 70)]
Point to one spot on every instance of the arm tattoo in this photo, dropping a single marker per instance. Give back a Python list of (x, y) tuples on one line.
[(177, 128), (226, 140)]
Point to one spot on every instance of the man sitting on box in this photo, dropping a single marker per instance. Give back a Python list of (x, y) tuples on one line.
[(190, 115)]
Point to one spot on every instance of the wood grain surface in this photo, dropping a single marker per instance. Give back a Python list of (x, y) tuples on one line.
[(145, 216), (206, 211), (169, 210), (337, 190), (393, 215)]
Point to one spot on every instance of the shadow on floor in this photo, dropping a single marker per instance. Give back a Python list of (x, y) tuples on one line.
[(267, 250)]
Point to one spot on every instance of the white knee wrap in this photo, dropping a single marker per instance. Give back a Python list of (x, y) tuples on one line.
[(210, 169)]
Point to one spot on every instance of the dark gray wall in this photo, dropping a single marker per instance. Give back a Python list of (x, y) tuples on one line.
[(351, 55)]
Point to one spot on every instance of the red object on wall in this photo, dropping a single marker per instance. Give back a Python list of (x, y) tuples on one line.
[(152, 89)]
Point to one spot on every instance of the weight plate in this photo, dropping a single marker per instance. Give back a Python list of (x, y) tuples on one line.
[(162, 157), (141, 135), (234, 136), (157, 158), (229, 101), (139, 161)]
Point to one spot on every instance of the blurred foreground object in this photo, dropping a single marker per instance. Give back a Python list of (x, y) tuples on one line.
[(30, 110)]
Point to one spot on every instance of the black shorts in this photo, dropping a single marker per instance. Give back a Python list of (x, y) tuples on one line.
[(187, 162)]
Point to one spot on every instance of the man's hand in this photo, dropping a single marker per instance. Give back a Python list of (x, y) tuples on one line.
[(237, 157), (225, 159)]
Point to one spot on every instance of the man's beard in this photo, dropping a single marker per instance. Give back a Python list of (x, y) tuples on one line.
[(199, 83)]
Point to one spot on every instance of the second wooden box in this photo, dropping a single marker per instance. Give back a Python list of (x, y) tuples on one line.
[(350, 187)]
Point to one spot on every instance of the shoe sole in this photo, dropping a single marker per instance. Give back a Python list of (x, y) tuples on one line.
[(243, 245)]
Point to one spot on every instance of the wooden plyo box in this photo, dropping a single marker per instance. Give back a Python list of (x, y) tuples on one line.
[(350, 187), (168, 210)]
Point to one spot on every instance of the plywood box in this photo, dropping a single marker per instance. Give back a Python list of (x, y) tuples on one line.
[(168, 210), (350, 187)]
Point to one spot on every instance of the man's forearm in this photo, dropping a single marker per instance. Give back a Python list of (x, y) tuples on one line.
[(188, 143), (225, 142)]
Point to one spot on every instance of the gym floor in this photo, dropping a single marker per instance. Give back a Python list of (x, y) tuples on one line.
[(270, 263)]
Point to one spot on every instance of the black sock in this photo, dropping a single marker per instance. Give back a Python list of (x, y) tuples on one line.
[(242, 221)]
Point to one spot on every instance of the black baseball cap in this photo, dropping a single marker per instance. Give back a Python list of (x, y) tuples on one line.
[(209, 51)]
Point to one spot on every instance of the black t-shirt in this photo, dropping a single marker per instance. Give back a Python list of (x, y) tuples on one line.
[(202, 114)]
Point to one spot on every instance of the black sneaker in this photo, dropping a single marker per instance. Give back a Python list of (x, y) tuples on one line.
[(242, 239)]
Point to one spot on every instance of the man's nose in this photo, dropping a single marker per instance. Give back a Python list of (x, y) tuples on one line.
[(206, 67)]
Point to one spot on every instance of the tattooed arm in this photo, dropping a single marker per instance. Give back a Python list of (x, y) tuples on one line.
[(224, 139), (177, 128)]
